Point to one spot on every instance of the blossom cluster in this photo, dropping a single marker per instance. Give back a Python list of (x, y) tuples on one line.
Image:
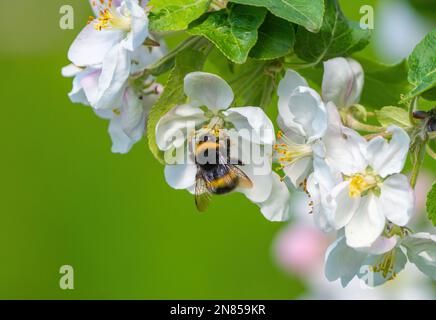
[(355, 185), (108, 61)]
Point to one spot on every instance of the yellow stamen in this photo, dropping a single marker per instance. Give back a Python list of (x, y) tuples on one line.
[(386, 265), (290, 152), (109, 18), (360, 183)]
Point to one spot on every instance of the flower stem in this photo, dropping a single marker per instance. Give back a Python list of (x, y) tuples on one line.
[(385, 134), (351, 122), (417, 159), (299, 66), (188, 43), (412, 108)]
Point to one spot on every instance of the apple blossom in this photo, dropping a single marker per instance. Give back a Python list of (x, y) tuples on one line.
[(303, 118), (127, 114), (208, 110), (383, 260), (303, 122), (117, 22), (373, 189), (343, 82), (114, 42)]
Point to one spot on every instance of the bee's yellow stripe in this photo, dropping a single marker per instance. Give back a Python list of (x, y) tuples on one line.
[(223, 181), (206, 146)]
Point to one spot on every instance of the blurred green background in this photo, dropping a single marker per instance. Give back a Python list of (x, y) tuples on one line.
[(65, 199)]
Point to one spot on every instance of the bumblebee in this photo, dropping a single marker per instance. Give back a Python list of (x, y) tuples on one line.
[(215, 173)]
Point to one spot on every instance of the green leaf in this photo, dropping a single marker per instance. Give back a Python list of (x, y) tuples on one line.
[(256, 83), (430, 95), (388, 116), (187, 61), (338, 37), (422, 66), (431, 204), (384, 84), (308, 14), (276, 39), (175, 15), (427, 83), (232, 30)]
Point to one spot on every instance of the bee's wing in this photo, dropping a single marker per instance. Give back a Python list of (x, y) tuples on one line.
[(243, 180), (202, 194)]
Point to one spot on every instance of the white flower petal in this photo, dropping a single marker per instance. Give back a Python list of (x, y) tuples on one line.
[(105, 114), (88, 82), (342, 262), (287, 85), (70, 71), (385, 157), (298, 171), (278, 205), (367, 224), (206, 89), (319, 211), (77, 94), (397, 199), (139, 26), (421, 250), (325, 174), (319, 185), (262, 184), (113, 79), (85, 83), (91, 46), (172, 129), (255, 121), (381, 245), (304, 113), (144, 57), (181, 176), (343, 82), (121, 142), (345, 148), (334, 117), (343, 207), (133, 115)]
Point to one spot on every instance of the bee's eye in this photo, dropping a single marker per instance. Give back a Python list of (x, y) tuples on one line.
[(205, 138)]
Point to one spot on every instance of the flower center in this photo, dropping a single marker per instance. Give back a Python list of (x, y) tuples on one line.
[(360, 183), (109, 18), (290, 152), (386, 265)]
